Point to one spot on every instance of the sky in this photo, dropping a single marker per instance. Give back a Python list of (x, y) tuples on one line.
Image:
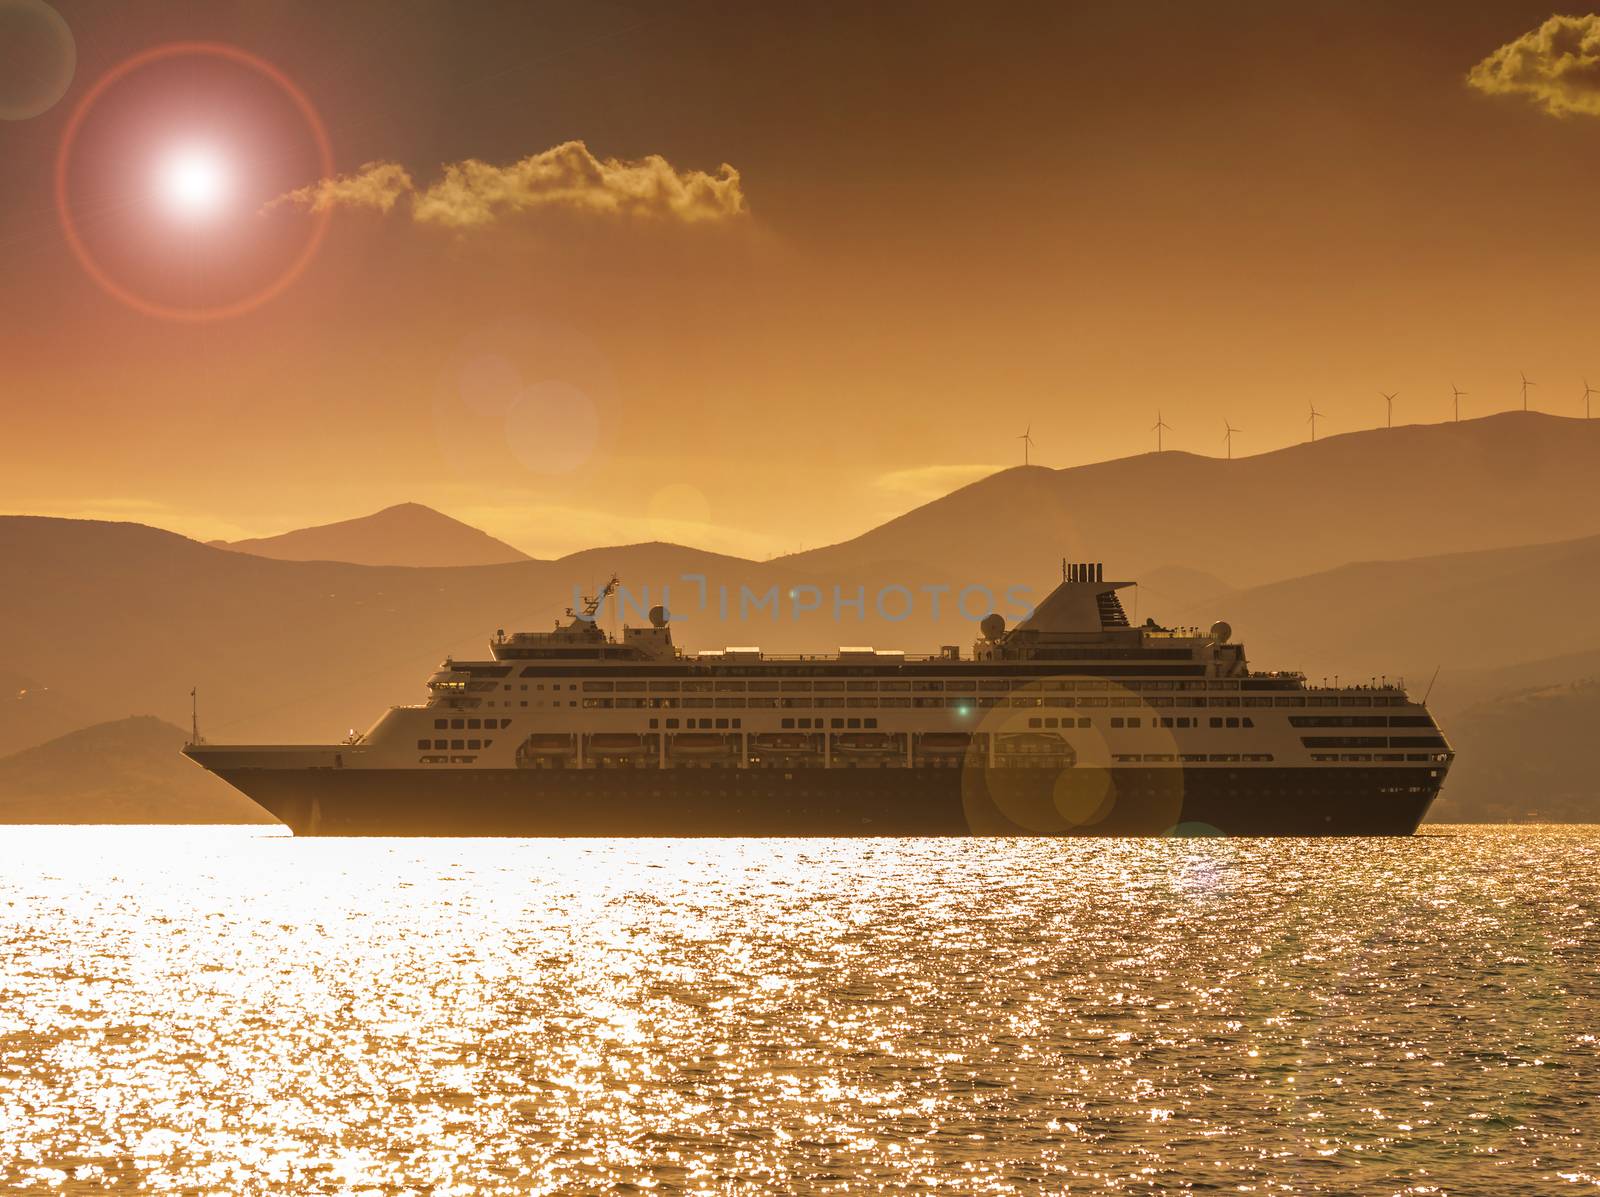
[(756, 280)]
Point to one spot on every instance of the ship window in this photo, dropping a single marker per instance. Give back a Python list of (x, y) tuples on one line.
[(671, 723), (475, 724), (852, 723), (1233, 721), (474, 744), (738, 723), (1117, 721), (838, 723), (1052, 722), (654, 723), (508, 685), (457, 724), (1216, 721), (722, 723), (786, 723), (524, 703), (1248, 722), (441, 743), (1133, 721), (1083, 722), (524, 685), (457, 745), (805, 723), (1036, 723), (705, 723), (486, 743), (424, 744), (441, 724), (869, 723)]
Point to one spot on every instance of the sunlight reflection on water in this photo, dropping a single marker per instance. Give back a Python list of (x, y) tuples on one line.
[(226, 1010)]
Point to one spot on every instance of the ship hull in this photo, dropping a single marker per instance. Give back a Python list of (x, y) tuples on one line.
[(1259, 801)]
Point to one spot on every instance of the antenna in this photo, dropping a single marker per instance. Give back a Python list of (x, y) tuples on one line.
[(1431, 680), (1389, 399), (1313, 421), (1027, 442), (1587, 391), (1158, 428), (1455, 394), (1228, 437), (1526, 383), (194, 716)]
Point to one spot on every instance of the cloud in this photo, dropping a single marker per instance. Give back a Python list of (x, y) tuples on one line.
[(1557, 66), (567, 176), (932, 482), (376, 185)]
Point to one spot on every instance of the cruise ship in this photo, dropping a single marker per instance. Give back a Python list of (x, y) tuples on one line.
[(1072, 722)]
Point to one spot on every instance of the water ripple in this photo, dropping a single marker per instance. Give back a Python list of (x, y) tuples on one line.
[(228, 1011)]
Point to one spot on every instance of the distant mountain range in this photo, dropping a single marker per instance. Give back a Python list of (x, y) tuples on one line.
[(1389, 493), (406, 534), (1319, 558)]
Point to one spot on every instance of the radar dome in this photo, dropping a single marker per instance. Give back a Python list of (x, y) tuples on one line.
[(1222, 631), (658, 616), (993, 625)]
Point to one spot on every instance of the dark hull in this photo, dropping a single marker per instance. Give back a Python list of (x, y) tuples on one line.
[(843, 802)]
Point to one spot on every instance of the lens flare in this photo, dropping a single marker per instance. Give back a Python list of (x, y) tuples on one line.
[(191, 183), (194, 182)]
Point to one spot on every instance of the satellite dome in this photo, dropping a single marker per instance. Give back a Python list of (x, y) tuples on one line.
[(1222, 631), (993, 625), (658, 616)]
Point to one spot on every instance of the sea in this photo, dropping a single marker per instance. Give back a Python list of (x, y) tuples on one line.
[(235, 1011)]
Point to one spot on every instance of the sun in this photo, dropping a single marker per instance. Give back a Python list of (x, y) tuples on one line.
[(194, 182)]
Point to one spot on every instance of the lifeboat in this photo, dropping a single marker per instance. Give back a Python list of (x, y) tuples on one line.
[(615, 745), (1033, 744), (944, 743), (547, 745), (703, 745), (782, 744), (867, 744)]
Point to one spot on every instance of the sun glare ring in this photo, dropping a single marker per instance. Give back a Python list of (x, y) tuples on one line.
[(194, 184)]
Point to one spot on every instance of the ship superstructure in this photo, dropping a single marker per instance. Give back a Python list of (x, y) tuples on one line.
[(1073, 721)]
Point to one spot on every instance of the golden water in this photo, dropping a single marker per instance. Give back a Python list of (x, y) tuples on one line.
[(229, 1011)]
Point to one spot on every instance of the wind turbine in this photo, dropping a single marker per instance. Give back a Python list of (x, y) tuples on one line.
[(1587, 391), (1455, 394), (1027, 443), (1228, 437), (1525, 385), (1158, 428), (1389, 399), (1313, 422)]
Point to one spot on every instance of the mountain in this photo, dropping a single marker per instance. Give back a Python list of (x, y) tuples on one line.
[(119, 618), (129, 771), (1525, 757), (1388, 493), (1492, 610), (406, 534)]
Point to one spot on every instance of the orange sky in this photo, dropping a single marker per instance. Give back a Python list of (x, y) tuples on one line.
[(953, 224)]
